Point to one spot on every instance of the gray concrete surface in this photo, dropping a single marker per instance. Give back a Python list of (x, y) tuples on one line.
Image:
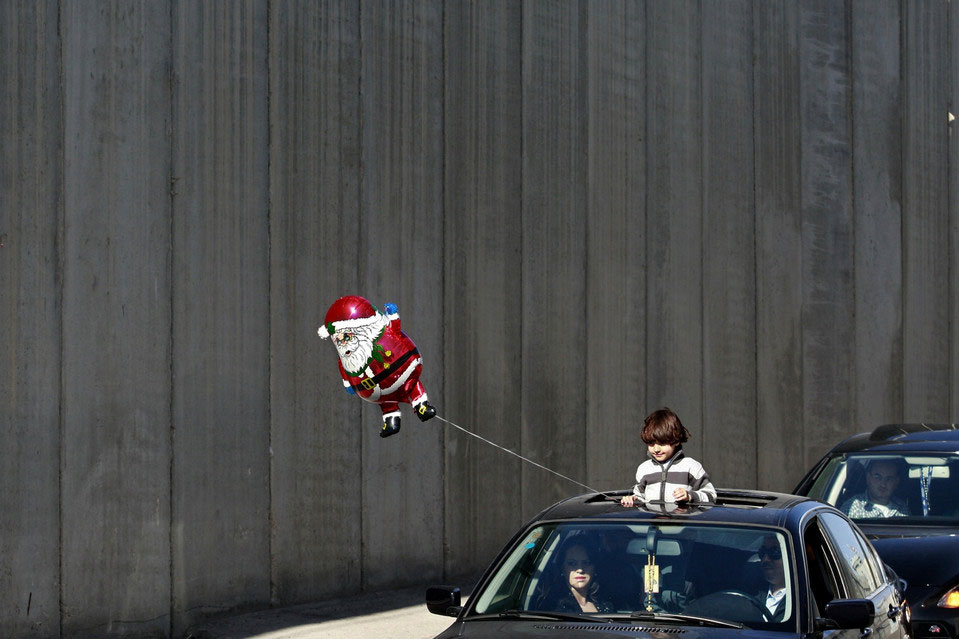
[(398, 614)]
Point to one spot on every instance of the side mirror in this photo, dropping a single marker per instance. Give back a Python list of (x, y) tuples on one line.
[(851, 613), (443, 600)]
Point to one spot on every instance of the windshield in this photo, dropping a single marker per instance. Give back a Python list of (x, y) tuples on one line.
[(730, 573), (899, 489)]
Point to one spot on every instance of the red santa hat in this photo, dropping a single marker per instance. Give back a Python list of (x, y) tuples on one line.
[(351, 311)]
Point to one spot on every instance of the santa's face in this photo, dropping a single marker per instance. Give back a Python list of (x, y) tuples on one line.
[(354, 344), (354, 350), (354, 339)]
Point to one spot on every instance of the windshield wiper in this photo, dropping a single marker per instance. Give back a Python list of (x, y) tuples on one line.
[(644, 615), (542, 615)]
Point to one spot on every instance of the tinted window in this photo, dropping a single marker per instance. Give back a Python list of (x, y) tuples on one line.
[(856, 562), (825, 581)]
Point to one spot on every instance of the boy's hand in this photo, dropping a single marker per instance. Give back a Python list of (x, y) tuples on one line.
[(628, 501), (681, 494)]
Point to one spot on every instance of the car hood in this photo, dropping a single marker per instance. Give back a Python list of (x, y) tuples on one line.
[(503, 629), (931, 560)]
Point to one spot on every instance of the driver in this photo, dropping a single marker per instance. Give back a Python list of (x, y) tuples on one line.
[(882, 479), (771, 562)]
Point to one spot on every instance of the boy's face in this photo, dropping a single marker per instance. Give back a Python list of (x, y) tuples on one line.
[(661, 452)]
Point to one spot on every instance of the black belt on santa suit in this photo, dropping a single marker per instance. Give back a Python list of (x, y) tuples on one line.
[(372, 382)]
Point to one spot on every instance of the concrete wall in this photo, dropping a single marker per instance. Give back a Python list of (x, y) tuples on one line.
[(584, 211)]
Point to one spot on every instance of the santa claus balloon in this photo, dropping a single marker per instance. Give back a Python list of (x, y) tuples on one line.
[(378, 361)]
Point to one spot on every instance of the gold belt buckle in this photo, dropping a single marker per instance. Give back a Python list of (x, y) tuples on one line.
[(368, 383)]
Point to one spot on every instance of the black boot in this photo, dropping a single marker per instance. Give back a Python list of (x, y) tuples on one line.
[(424, 411), (391, 426)]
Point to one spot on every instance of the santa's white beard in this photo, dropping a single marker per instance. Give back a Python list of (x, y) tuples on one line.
[(355, 353), (359, 355)]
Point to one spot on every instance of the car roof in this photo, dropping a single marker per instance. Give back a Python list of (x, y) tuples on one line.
[(732, 506), (913, 437)]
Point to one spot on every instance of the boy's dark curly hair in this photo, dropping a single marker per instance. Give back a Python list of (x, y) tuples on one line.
[(663, 427)]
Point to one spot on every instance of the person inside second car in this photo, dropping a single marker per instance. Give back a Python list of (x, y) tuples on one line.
[(879, 500)]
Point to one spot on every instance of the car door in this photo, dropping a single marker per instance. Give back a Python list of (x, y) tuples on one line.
[(824, 580), (863, 576)]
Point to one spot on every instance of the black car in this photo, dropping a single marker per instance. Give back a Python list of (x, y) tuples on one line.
[(900, 484), (754, 565)]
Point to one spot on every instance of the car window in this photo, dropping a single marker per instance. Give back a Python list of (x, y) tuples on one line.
[(905, 488), (857, 564), (875, 563), (734, 573), (517, 573), (822, 568)]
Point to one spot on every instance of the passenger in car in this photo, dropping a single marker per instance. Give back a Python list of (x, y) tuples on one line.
[(879, 500), (668, 475)]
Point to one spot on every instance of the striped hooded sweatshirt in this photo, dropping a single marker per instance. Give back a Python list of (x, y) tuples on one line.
[(656, 481)]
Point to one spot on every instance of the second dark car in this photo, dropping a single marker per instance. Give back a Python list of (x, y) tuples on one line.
[(900, 484)]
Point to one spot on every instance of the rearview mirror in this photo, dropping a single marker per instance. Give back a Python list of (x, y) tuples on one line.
[(851, 613), (443, 600)]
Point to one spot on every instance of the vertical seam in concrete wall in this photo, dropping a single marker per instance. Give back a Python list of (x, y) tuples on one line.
[(800, 208), (61, 277), (442, 457), (755, 241), (903, 264), (950, 202), (521, 227), (645, 152), (850, 167), (171, 211), (646, 146), (361, 250), (582, 44), (269, 297), (703, 391)]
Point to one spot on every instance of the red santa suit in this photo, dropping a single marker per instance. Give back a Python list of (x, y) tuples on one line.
[(378, 361)]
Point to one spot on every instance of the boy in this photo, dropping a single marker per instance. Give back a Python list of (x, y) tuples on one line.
[(668, 475)]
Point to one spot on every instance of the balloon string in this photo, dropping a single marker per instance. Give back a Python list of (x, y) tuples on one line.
[(525, 459)]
